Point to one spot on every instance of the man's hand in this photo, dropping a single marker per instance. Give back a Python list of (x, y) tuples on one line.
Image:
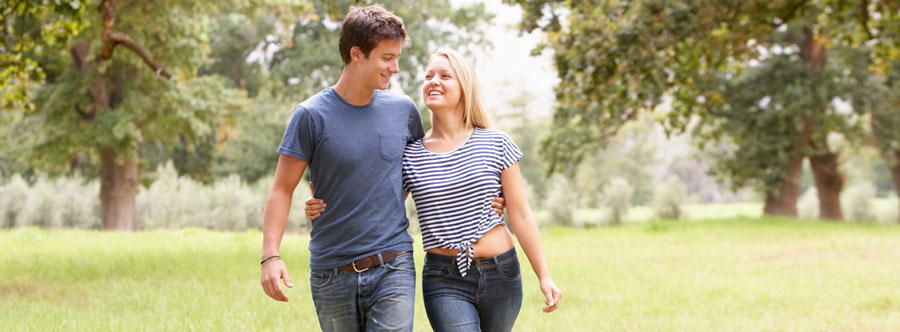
[(498, 203), (272, 273)]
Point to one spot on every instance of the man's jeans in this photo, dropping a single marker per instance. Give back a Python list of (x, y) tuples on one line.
[(378, 299), (487, 299)]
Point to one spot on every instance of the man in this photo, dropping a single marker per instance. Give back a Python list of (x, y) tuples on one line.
[(352, 136)]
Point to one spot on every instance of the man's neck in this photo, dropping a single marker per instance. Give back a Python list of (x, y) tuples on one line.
[(352, 89)]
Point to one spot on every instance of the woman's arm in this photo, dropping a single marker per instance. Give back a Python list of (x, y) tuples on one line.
[(315, 206), (523, 224)]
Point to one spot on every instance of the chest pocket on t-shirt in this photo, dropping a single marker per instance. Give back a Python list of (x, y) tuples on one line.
[(391, 146)]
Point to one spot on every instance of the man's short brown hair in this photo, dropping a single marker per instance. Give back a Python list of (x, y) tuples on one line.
[(366, 26)]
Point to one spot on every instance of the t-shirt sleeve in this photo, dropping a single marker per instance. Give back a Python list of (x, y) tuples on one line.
[(406, 179), (300, 136), (416, 130), (510, 153)]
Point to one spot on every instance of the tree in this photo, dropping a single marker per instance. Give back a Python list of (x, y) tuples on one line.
[(98, 101), (26, 28), (879, 97), (307, 60), (619, 58)]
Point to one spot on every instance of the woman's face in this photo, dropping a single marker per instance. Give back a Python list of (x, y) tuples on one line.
[(441, 88)]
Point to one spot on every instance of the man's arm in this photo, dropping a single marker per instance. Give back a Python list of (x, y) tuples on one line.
[(315, 206), (278, 205)]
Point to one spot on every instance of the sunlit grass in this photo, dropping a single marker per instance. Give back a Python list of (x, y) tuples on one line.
[(712, 275)]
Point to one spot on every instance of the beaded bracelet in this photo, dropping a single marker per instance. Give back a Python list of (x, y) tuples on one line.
[(269, 259)]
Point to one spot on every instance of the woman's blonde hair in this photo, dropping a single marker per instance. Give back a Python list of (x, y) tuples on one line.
[(473, 106)]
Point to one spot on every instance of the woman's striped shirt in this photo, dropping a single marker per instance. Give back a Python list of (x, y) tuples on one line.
[(453, 190)]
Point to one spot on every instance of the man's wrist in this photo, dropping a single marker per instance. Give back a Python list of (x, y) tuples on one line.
[(269, 259)]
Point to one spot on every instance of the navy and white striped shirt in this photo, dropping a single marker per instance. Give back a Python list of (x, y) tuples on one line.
[(453, 190)]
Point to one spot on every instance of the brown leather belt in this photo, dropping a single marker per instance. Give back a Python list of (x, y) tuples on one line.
[(368, 262)]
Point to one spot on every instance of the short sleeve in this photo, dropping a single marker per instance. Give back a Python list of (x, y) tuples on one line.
[(300, 136), (405, 173), (416, 130), (510, 152)]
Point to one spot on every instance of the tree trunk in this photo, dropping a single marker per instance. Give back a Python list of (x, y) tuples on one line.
[(118, 179), (784, 201), (118, 185), (829, 183)]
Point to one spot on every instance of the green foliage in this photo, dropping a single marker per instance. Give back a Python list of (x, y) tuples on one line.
[(31, 30), (310, 60), (669, 198), (617, 59), (772, 113), (858, 202), (59, 202), (560, 201), (630, 154), (175, 202), (617, 199)]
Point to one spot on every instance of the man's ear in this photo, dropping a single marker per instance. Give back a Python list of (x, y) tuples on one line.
[(356, 54)]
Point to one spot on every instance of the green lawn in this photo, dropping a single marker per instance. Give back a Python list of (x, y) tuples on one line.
[(713, 275)]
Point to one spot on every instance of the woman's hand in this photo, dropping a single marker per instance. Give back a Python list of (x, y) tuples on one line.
[(314, 207), (552, 293)]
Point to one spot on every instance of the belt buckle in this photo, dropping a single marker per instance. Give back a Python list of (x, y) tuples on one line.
[(358, 270)]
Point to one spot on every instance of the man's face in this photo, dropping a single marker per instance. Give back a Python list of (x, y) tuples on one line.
[(381, 64)]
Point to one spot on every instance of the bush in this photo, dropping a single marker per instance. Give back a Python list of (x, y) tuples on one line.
[(61, 202), (858, 202), (172, 202), (561, 202), (232, 205), (808, 205), (296, 218), (78, 202), (890, 213), (617, 199), (13, 195), (668, 198)]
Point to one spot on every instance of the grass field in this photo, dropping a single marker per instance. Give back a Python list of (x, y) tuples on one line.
[(710, 275)]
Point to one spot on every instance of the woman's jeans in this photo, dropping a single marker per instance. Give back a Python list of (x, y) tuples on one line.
[(487, 299)]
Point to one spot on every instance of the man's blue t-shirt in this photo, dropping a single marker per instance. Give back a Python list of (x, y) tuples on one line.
[(354, 154)]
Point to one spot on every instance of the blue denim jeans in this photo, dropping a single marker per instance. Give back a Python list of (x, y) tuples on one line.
[(378, 299), (487, 299)]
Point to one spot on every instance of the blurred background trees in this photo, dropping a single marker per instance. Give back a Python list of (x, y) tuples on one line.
[(109, 89), (767, 83), (663, 109)]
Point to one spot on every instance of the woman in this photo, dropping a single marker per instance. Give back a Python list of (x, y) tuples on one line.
[(471, 279)]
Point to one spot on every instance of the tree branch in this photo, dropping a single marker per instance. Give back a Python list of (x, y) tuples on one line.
[(864, 17), (79, 53), (111, 38), (792, 11), (117, 37)]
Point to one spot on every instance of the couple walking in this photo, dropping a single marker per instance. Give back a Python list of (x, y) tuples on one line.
[(366, 149)]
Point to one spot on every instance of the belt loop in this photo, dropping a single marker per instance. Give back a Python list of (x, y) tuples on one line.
[(496, 260), (380, 260)]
